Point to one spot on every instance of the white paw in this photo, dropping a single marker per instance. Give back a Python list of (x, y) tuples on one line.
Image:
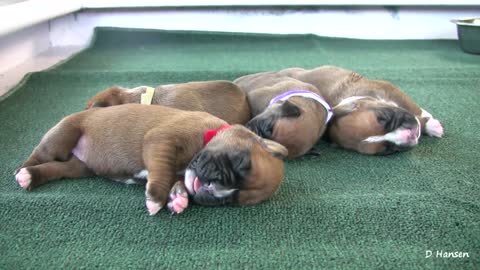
[(178, 204), (153, 207), (434, 128), (24, 178)]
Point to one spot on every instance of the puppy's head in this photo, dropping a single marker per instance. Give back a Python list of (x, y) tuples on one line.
[(373, 126), (235, 167), (109, 97), (283, 122)]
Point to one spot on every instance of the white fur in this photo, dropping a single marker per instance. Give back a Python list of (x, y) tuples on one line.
[(130, 182), (393, 137), (348, 100), (221, 192), (389, 102), (355, 98), (426, 114), (143, 174), (153, 207), (433, 127)]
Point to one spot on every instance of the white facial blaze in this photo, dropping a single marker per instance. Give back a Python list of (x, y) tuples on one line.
[(220, 191), (400, 136), (393, 137)]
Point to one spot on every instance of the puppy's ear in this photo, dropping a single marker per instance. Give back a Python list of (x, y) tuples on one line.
[(343, 110), (98, 104), (262, 125), (288, 109), (277, 150)]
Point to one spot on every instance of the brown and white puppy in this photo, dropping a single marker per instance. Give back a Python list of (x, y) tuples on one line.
[(222, 99), (370, 116), (133, 141), (285, 110)]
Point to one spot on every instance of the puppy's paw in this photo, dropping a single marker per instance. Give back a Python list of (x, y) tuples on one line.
[(153, 207), (434, 128), (24, 178), (178, 198)]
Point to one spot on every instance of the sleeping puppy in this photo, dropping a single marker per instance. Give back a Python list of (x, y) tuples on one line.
[(228, 164), (222, 99), (370, 116), (285, 110)]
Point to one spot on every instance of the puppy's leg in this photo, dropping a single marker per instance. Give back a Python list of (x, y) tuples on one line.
[(56, 144), (55, 151), (32, 176), (178, 200), (160, 157)]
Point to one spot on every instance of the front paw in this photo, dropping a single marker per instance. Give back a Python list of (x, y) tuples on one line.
[(24, 178), (434, 128), (153, 207), (178, 198)]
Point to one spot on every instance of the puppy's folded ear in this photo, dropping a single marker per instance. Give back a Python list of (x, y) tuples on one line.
[(263, 124), (288, 109), (277, 150), (342, 110), (99, 104)]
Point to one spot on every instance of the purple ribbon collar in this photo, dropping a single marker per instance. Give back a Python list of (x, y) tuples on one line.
[(305, 94)]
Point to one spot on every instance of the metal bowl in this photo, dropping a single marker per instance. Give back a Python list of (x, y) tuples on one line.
[(468, 31)]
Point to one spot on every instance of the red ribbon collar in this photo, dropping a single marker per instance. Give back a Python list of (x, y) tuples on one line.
[(210, 133)]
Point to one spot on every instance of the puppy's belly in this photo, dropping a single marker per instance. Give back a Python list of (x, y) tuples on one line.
[(111, 160)]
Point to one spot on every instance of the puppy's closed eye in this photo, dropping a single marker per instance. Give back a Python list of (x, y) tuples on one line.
[(241, 163)]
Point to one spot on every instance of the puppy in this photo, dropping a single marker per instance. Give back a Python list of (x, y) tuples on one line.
[(228, 164), (286, 110), (370, 116), (222, 99)]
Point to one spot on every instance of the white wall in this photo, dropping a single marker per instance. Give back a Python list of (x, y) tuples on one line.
[(364, 22), (356, 22), (20, 46)]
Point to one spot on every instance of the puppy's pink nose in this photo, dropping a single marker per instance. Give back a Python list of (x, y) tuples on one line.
[(196, 184)]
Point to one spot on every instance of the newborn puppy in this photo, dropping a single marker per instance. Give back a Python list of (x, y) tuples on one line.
[(370, 116), (222, 99), (132, 141), (286, 110)]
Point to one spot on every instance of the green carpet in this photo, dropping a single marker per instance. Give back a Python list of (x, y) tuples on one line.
[(337, 210)]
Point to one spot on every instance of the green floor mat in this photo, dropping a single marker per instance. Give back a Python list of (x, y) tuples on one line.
[(336, 210)]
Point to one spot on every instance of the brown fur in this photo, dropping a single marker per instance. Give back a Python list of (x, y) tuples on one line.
[(121, 141), (297, 134), (336, 84), (222, 99)]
